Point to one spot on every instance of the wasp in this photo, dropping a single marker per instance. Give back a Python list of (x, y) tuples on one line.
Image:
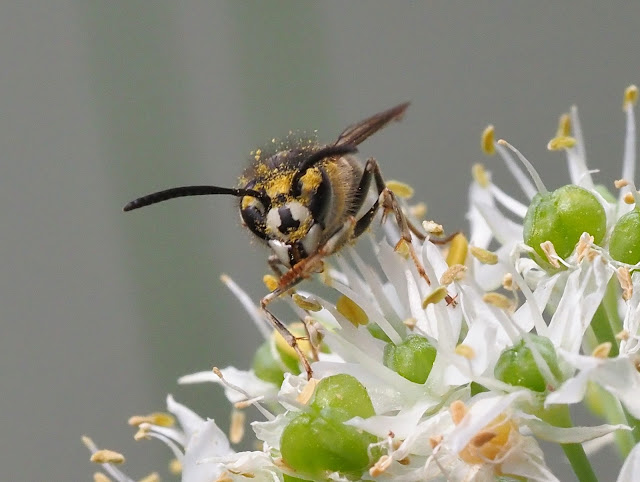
[(304, 202)]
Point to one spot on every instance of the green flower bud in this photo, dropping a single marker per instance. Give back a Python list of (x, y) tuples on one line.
[(516, 365), (313, 445), (624, 245), (412, 359), (343, 396), (266, 367), (561, 217)]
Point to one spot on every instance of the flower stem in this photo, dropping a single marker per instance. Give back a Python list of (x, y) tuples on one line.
[(559, 416)]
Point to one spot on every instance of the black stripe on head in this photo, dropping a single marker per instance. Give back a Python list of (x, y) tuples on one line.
[(287, 223)]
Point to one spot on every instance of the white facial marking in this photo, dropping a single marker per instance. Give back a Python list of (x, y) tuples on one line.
[(281, 250), (273, 221), (298, 211), (311, 240)]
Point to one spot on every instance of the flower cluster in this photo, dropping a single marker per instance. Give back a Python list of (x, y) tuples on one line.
[(456, 375)]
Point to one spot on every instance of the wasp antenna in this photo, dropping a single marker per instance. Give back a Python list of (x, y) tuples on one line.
[(184, 191), (320, 155)]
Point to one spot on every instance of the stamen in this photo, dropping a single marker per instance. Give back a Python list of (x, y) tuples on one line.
[(100, 477), (435, 440), (436, 296), (418, 210), (482, 438), (433, 228), (630, 97), (564, 126), (465, 351), (351, 311), (458, 411), (307, 392), (550, 252), (105, 456), (410, 323), (620, 183), (400, 189), (236, 429), (623, 335), (528, 166), (157, 418), (602, 350), (624, 278), (507, 282), (458, 250), (307, 304), (175, 467), (498, 300), (487, 141), (254, 401), (484, 256), (480, 175), (152, 477), (561, 143), (454, 273), (143, 433), (629, 198), (381, 466)]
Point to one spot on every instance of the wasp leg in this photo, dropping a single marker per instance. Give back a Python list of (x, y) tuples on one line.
[(390, 204), (275, 264)]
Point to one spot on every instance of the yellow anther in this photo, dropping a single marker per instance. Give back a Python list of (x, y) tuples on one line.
[(270, 281), (236, 429), (435, 440), (584, 248), (507, 282), (307, 304), (175, 467), (622, 336), (560, 143), (492, 442), (418, 210), (564, 126), (299, 331), (433, 228), (628, 198), (107, 457), (143, 432), (152, 477), (480, 175), (482, 438), (400, 189), (488, 140), (305, 396), (624, 278), (351, 311), (381, 466), (157, 418), (453, 273), (402, 248), (602, 350), (436, 296), (620, 183), (458, 411), (100, 477), (224, 477), (498, 300), (410, 322), (630, 96), (458, 250), (484, 256), (550, 252), (465, 351)]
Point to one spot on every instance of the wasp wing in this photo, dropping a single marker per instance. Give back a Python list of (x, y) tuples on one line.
[(357, 133)]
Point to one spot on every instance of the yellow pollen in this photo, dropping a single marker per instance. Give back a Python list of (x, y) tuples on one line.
[(305, 396), (458, 411), (381, 466), (453, 273), (152, 477), (307, 304), (435, 440), (560, 143), (236, 429), (418, 210), (480, 175), (550, 252), (224, 477), (465, 351), (404, 461), (584, 247), (564, 126), (498, 300), (458, 250), (351, 311), (630, 96), (488, 141), (507, 282), (100, 477), (270, 281), (484, 256), (602, 350), (410, 323), (624, 278), (311, 180), (402, 248), (107, 457), (175, 467), (143, 432), (492, 442), (432, 227), (400, 189), (629, 199), (623, 335), (620, 183), (299, 331), (157, 418), (436, 296)]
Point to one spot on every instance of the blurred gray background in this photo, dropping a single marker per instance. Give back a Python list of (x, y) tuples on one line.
[(103, 101)]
